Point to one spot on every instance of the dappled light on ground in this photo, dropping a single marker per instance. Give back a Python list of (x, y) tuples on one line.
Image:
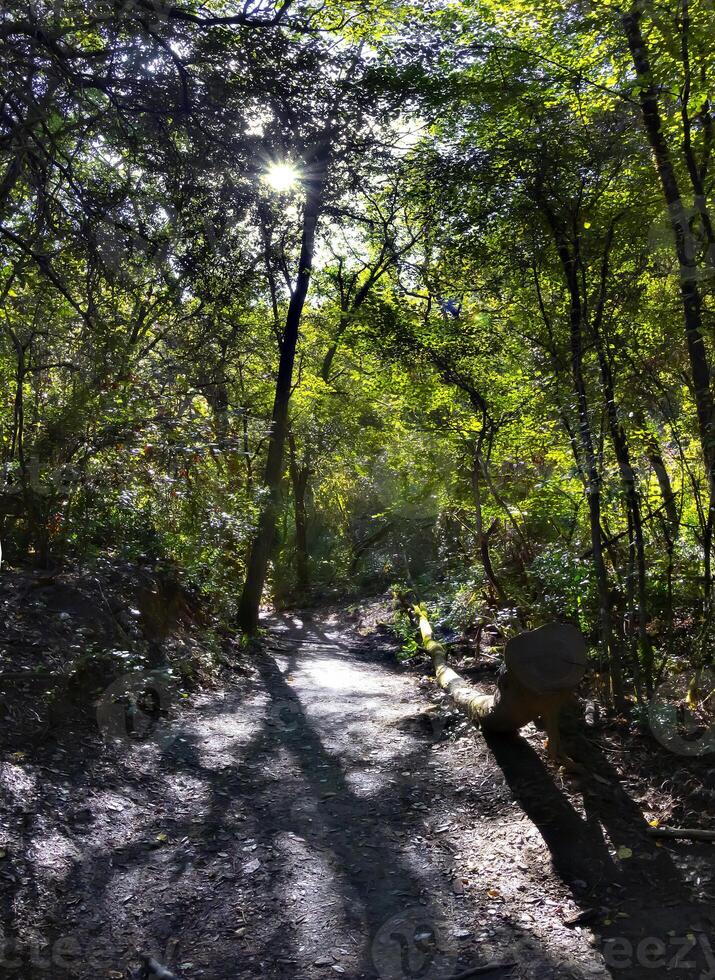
[(311, 819), (289, 856)]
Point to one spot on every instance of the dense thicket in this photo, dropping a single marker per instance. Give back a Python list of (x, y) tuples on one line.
[(316, 295)]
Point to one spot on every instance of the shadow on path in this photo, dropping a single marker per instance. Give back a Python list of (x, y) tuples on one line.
[(293, 828), (638, 905)]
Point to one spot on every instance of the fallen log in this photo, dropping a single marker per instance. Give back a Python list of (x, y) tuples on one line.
[(683, 833), (478, 971), (541, 671)]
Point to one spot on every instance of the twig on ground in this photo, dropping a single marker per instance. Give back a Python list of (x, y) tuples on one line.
[(477, 971), (153, 970), (687, 833)]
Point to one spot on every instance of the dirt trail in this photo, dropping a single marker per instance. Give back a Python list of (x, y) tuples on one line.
[(310, 821)]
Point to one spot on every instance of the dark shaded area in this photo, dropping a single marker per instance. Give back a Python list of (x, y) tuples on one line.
[(655, 924), (347, 874)]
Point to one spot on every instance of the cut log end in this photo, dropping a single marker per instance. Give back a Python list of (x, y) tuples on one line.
[(541, 670), (549, 659)]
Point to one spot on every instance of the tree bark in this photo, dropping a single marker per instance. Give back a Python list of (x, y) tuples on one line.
[(569, 262), (685, 248), (670, 503), (482, 535), (697, 173), (265, 535), (582, 443), (682, 833), (299, 476), (364, 546), (631, 496)]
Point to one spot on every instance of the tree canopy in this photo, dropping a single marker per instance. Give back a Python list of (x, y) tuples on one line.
[(308, 296)]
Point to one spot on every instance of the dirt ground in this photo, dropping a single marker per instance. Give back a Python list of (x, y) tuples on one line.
[(323, 814)]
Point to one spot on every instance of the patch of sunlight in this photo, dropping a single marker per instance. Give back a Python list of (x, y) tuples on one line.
[(310, 883), (281, 177), (337, 675), (16, 782), (219, 741), (54, 853), (368, 784)]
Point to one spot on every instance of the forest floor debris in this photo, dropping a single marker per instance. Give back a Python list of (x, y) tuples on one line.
[(314, 817)]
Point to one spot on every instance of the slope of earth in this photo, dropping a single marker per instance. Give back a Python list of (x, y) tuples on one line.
[(312, 820)]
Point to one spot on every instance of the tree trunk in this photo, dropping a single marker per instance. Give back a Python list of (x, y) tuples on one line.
[(593, 479), (696, 173), (265, 535), (361, 548), (246, 449), (327, 365), (593, 494), (299, 476), (482, 535), (666, 489), (628, 480), (588, 465), (687, 261)]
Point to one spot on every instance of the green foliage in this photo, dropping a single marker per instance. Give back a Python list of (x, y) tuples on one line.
[(496, 282), (469, 608), (563, 584), (404, 631)]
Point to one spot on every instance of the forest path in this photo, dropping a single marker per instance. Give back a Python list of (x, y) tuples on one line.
[(312, 820)]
